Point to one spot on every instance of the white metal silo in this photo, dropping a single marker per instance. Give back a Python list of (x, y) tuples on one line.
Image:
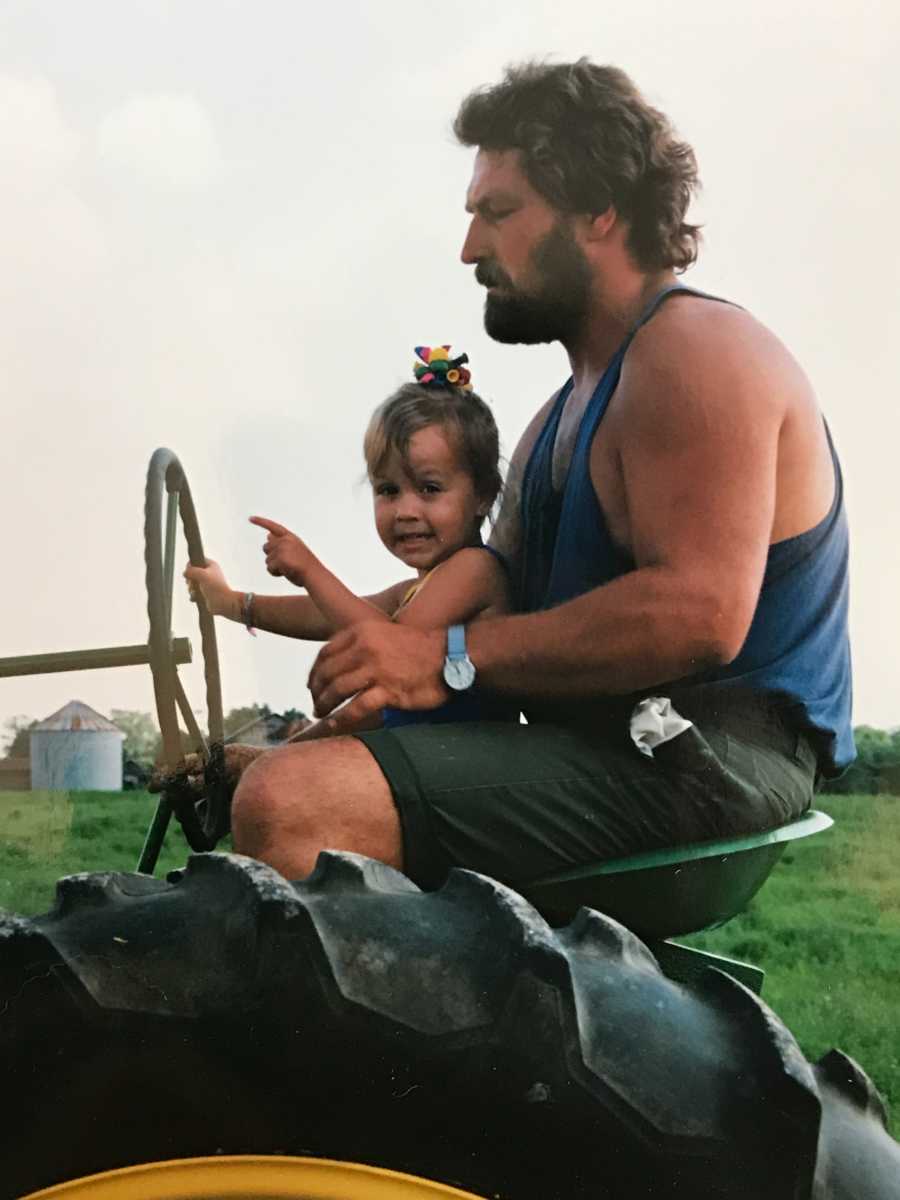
[(76, 749)]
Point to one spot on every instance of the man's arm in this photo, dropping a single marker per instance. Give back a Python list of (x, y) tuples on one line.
[(700, 419), (702, 414)]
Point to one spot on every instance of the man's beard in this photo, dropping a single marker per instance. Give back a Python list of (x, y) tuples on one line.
[(555, 310)]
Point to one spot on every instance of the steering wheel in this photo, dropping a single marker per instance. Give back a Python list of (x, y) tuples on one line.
[(204, 820)]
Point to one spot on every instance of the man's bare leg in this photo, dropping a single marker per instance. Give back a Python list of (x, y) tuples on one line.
[(293, 802)]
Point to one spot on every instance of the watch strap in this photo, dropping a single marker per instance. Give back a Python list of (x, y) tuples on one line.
[(456, 642)]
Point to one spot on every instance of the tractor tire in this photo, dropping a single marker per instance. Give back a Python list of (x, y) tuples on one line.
[(451, 1035)]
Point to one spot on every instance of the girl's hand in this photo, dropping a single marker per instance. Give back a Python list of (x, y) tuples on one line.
[(210, 584), (286, 554)]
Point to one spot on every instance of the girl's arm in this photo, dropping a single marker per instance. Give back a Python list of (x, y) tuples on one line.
[(470, 584), (289, 556), (290, 616)]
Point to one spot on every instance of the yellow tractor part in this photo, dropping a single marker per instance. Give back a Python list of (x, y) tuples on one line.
[(250, 1177)]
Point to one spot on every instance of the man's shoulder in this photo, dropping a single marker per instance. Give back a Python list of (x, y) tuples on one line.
[(696, 346), (689, 326)]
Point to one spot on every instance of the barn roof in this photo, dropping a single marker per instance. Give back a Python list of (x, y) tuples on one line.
[(76, 715)]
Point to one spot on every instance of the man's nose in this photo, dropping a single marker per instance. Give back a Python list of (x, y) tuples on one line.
[(472, 248)]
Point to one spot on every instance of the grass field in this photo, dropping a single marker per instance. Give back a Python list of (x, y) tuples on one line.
[(826, 926), (826, 929), (46, 835)]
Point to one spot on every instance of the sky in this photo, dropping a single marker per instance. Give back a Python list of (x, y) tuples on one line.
[(223, 227)]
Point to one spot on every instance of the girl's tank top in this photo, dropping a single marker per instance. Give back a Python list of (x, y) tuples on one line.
[(797, 647)]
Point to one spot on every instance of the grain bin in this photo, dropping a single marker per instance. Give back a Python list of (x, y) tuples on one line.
[(76, 749)]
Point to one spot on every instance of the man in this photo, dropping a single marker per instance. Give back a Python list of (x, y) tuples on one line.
[(674, 526)]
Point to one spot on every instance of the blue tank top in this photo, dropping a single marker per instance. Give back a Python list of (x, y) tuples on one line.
[(797, 647)]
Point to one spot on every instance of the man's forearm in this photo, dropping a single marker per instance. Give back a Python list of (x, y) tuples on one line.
[(643, 629)]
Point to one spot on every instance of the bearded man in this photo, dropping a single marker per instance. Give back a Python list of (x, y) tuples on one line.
[(674, 527)]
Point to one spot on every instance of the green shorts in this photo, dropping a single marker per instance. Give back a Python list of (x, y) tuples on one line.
[(518, 802)]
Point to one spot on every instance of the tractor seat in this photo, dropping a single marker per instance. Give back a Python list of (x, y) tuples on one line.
[(670, 892)]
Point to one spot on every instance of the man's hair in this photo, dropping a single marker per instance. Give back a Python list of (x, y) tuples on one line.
[(588, 139), (465, 417)]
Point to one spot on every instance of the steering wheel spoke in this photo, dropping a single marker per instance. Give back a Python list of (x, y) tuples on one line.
[(168, 497), (187, 715)]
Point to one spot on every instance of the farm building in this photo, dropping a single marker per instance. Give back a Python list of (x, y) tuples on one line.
[(76, 749), (269, 730)]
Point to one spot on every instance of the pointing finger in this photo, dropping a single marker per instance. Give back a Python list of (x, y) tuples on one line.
[(272, 526)]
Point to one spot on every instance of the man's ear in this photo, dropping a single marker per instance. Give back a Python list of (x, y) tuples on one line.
[(599, 226)]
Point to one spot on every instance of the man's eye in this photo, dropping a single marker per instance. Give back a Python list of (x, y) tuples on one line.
[(497, 214)]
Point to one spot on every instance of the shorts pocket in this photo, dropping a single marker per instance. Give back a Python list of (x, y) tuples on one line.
[(695, 753)]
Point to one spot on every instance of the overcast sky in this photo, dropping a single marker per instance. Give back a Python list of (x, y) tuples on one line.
[(224, 226)]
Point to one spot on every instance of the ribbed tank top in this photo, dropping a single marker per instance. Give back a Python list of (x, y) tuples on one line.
[(797, 647)]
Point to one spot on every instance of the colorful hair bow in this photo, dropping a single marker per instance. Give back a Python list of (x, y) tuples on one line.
[(438, 368)]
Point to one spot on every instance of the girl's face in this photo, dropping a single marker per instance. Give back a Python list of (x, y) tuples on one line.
[(426, 507)]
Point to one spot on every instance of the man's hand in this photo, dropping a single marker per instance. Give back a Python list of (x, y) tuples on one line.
[(286, 554), (211, 584), (379, 664), (190, 771)]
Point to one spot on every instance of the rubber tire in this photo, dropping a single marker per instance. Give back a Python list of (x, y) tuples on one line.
[(453, 1035)]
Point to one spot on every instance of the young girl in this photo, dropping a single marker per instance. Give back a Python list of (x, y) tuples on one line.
[(431, 452)]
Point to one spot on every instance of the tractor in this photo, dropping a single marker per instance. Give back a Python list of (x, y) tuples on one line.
[(227, 1032)]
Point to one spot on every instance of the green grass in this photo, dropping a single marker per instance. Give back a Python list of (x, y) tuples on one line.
[(825, 927), (826, 930), (46, 835)]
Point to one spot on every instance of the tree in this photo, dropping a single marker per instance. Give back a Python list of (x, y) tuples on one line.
[(16, 731), (877, 765), (237, 718), (142, 739)]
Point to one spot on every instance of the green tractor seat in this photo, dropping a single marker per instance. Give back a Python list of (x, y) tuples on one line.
[(675, 891)]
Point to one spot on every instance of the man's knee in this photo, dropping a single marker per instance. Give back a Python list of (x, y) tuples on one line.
[(274, 792), (297, 800), (255, 805)]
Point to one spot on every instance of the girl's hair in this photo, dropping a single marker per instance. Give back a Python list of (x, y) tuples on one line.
[(464, 415)]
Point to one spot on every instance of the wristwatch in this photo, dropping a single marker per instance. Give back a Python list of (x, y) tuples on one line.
[(459, 670)]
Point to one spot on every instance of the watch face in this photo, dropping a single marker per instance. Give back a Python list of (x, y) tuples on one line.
[(459, 673)]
